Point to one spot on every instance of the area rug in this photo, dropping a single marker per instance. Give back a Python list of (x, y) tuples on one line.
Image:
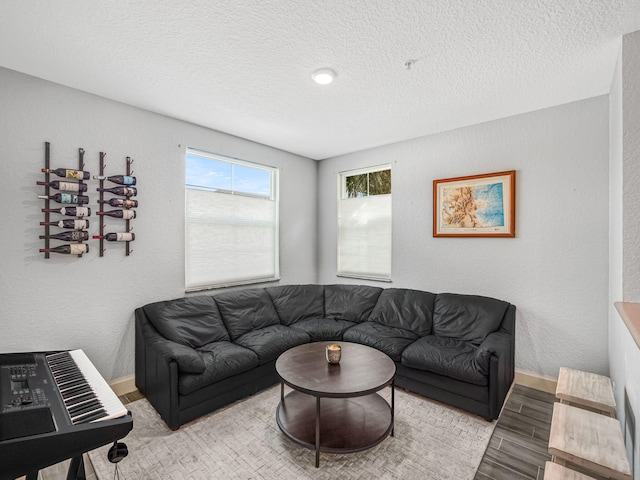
[(243, 441)]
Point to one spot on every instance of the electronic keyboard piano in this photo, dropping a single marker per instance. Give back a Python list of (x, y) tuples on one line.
[(54, 406)]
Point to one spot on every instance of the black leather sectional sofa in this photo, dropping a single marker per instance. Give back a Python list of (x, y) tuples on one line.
[(196, 354)]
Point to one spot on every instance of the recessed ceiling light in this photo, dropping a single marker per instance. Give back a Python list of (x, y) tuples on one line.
[(323, 76)]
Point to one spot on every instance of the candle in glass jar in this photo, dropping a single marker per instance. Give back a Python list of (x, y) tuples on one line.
[(333, 353)]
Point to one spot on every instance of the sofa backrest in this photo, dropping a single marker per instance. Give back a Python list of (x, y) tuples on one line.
[(191, 321), (350, 302), (297, 302), (467, 317), (403, 308), (246, 310)]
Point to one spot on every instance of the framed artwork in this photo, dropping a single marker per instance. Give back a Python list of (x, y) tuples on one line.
[(475, 206)]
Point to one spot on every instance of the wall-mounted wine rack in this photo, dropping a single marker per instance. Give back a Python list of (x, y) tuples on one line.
[(75, 246), (123, 190)]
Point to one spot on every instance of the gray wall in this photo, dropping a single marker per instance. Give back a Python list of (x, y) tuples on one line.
[(624, 217), (631, 166), (68, 302), (554, 271)]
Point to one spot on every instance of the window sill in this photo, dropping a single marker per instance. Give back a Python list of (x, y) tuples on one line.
[(365, 277), (231, 284)]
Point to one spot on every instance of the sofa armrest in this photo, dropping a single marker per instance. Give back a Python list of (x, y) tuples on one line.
[(157, 369), (496, 355), (509, 321), (496, 343), (188, 359)]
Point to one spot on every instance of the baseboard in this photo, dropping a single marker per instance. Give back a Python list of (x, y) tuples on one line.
[(538, 382), (124, 385)]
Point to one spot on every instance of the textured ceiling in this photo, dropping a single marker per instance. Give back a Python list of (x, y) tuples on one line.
[(244, 66)]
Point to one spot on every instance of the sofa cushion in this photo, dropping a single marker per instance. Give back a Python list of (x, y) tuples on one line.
[(390, 340), (404, 308), (445, 356), (297, 302), (269, 342), (353, 303), (191, 321), (467, 317), (221, 360), (321, 329), (246, 310)]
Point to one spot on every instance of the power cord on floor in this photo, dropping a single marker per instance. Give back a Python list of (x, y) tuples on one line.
[(117, 452)]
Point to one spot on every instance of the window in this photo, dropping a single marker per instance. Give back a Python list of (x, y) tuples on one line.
[(231, 221), (364, 223)]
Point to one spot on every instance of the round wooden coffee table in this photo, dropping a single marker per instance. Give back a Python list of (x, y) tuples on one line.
[(351, 416)]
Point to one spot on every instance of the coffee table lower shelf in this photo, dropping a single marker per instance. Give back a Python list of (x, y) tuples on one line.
[(335, 425)]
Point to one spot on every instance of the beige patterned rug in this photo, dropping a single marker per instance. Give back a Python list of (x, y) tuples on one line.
[(243, 441)]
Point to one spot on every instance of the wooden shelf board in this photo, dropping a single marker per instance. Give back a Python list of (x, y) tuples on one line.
[(630, 313)]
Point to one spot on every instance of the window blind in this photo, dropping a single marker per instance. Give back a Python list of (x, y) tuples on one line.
[(231, 237), (364, 233)]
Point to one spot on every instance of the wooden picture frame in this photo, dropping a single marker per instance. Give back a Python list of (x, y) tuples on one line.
[(475, 206)]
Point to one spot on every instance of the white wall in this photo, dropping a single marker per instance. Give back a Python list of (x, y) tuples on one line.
[(68, 302), (554, 271), (624, 230)]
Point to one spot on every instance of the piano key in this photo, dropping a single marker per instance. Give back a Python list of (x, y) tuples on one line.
[(90, 417), (89, 406), (67, 384), (67, 373), (76, 376), (72, 392), (70, 401)]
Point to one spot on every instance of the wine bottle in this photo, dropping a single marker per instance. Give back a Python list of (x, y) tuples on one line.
[(72, 249), (67, 198), (66, 173), (75, 224), (70, 211), (66, 186), (120, 202), (119, 179), (124, 191), (73, 236), (126, 214), (118, 237)]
